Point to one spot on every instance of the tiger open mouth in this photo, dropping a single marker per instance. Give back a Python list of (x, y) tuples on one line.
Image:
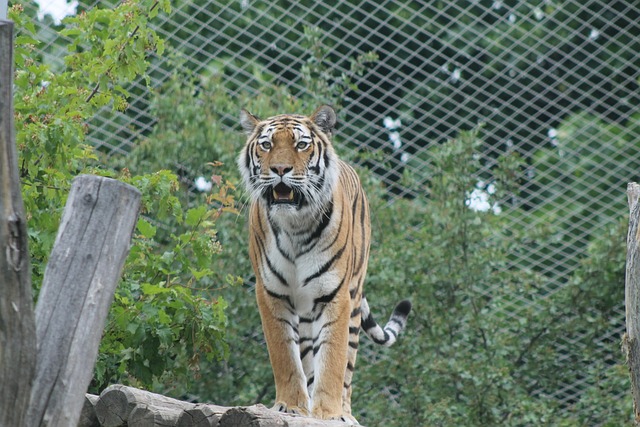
[(283, 194)]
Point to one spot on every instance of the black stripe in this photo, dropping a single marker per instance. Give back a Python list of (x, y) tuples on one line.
[(356, 311), (353, 206), (293, 327), (279, 296), (304, 352), (354, 292), (350, 366), (326, 219), (326, 158), (316, 348), (381, 341), (337, 234), (273, 269), (247, 159), (327, 298), (369, 323), (282, 251), (397, 322), (310, 381), (260, 214), (353, 345), (326, 266), (363, 241), (326, 325), (354, 329), (266, 258), (276, 232), (316, 168)]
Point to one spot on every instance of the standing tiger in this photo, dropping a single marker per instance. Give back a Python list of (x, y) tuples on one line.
[(309, 247)]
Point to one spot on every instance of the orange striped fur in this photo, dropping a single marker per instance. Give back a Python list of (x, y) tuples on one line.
[(309, 247)]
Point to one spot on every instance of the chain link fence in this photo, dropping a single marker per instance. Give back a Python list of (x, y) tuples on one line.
[(555, 80)]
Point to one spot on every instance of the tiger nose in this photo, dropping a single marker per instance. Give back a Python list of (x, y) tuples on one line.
[(281, 169)]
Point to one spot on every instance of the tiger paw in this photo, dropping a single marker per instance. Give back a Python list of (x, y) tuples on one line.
[(297, 410), (346, 418), (326, 415)]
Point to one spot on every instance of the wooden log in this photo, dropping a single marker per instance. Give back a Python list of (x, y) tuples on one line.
[(202, 415), (117, 402), (252, 416), (631, 340), (261, 416), (154, 416), (17, 322), (120, 405), (79, 282), (88, 417)]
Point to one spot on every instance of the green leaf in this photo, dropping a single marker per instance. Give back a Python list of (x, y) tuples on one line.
[(146, 229), (195, 215), (150, 289)]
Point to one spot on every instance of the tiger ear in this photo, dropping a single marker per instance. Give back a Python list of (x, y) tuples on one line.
[(248, 121), (325, 118)]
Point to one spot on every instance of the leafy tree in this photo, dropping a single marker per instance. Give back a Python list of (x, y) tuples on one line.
[(161, 323)]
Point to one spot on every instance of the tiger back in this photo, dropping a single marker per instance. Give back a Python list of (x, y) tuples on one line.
[(309, 238)]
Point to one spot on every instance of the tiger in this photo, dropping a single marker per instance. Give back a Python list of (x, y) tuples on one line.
[(309, 238)]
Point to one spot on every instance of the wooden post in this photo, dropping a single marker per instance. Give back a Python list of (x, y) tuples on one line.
[(17, 328), (79, 283), (631, 340)]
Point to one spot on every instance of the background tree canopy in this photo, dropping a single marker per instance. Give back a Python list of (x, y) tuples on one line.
[(495, 139)]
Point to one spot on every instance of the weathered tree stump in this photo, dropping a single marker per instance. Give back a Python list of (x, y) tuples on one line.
[(79, 282), (631, 340), (17, 322)]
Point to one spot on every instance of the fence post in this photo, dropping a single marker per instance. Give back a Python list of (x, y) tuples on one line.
[(631, 340), (17, 328), (78, 286)]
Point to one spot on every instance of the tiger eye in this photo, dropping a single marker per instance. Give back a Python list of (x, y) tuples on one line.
[(265, 145)]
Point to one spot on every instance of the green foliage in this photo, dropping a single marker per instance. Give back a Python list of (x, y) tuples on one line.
[(482, 346), (167, 313)]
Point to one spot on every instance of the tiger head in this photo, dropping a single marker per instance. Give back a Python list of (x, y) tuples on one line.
[(288, 162)]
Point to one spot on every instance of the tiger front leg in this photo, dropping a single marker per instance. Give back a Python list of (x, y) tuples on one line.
[(280, 331), (331, 332)]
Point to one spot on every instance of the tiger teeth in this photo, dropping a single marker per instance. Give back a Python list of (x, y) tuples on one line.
[(279, 196)]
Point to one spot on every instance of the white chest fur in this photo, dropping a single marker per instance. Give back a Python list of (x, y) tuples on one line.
[(300, 253)]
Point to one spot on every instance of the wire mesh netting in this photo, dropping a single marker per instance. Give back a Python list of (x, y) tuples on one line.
[(556, 81)]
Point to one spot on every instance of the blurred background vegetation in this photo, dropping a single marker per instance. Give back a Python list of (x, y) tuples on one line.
[(494, 138)]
